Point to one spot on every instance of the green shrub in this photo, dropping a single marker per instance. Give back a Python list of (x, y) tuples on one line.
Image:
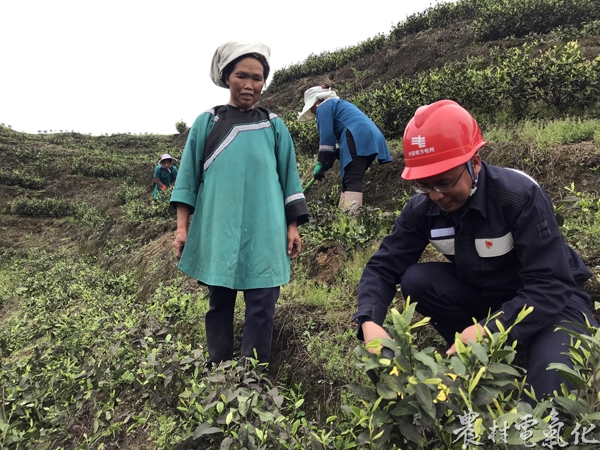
[(571, 33), (497, 19), (327, 61), (94, 344), (18, 178), (579, 214), (140, 210), (520, 81), (423, 400), (181, 126), (84, 214), (101, 168), (438, 16), (89, 216), (128, 191), (492, 20), (304, 134), (51, 207), (330, 226), (69, 323), (121, 141)]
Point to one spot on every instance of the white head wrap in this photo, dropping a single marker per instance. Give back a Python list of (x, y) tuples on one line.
[(312, 96), (229, 51)]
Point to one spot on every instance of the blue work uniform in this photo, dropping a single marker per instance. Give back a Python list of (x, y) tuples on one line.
[(504, 251)]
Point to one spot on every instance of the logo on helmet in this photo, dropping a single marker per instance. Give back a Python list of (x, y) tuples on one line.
[(489, 244), (419, 140)]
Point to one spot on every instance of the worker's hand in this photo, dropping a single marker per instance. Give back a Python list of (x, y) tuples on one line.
[(319, 171), (468, 334), (180, 238), (373, 331), (163, 187), (294, 242)]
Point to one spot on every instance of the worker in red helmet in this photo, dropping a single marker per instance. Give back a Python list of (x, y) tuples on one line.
[(504, 249)]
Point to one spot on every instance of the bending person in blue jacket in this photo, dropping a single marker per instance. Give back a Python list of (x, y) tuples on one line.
[(496, 228), (360, 141)]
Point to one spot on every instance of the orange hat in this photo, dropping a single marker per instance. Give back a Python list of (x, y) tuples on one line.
[(440, 136)]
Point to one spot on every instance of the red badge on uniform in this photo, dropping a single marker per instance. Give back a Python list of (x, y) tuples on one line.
[(489, 244)]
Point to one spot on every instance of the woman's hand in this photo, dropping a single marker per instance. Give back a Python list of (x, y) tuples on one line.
[(294, 242), (183, 219), (180, 238)]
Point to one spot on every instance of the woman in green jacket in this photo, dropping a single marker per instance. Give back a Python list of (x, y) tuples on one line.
[(238, 179), (165, 174)]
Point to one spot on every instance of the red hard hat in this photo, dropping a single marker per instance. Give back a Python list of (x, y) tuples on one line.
[(440, 136)]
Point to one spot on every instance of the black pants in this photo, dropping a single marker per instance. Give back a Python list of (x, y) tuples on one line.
[(452, 304), (258, 323), (354, 172)]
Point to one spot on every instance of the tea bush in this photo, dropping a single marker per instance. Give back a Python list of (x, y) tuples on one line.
[(139, 210), (88, 216), (327, 61), (330, 226), (101, 168), (438, 16), (50, 207), (492, 20), (499, 19), (304, 135), (570, 33), (24, 180), (93, 347), (129, 191), (473, 399), (84, 214), (517, 80), (580, 216), (122, 141), (62, 322)]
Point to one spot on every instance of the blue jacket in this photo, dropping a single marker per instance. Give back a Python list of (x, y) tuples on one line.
[(505, 242), (334, 116)]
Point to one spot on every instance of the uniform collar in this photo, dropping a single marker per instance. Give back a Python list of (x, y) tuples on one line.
[(476, 201), (478, 198)]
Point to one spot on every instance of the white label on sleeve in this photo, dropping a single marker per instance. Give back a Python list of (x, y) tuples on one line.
[(442, 232)]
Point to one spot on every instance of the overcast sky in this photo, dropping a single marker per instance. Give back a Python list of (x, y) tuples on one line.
[(115, 66)]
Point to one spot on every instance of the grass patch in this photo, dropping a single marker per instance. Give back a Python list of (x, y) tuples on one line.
[(544, 134), (559, 132)]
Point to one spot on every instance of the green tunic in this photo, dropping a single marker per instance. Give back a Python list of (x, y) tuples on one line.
[(238, 174), (165, 176)]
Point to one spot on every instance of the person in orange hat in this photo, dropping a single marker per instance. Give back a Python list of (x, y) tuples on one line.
[(504, 250), (165, 174)]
